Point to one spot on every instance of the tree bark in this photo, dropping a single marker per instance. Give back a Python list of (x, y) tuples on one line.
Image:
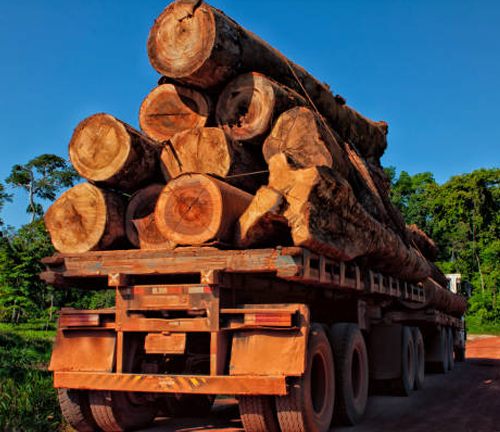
[(195, 43), (263, 224), (423, 242), (140, 224), (250, 103), (195, 209), (325, 216), (86, 218), (209, 151), (172, 108), (112, 154)]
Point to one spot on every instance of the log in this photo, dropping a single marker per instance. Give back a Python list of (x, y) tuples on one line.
[(140, 225), (195, 209), (423, 242), (209, 151), (263, 224), (172, 108), (195, 43), (112, 154), (325, 216), (250, 103), (301, 135), (86, 218)]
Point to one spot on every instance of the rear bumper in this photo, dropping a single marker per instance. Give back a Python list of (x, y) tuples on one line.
[(197, 384)]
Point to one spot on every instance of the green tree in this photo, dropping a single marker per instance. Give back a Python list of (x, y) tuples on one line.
[(4, 197), (42, 177)]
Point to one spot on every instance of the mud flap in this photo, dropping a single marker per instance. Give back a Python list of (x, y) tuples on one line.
[(84, 351)]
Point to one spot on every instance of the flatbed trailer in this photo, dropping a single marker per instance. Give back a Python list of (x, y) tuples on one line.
[(191, 323)]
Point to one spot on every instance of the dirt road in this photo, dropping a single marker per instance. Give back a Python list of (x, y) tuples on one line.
[(465, 400)]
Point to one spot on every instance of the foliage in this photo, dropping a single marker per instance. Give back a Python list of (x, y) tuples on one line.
[(463, 217), (42, 177), (4, 196), (28, 401)]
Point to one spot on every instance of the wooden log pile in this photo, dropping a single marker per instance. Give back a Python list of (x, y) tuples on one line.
[(240, 148)]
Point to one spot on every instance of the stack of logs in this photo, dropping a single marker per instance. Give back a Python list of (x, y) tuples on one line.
[(241, 148)]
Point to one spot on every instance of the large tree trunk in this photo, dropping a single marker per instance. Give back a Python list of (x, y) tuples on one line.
[(86, 218), (250, 103), (172, 108), (263, 224), (423, 242), (325, 216), (112, 154), (302, 137), (195, 209), (140, 224), (197, 44), (209, 151)]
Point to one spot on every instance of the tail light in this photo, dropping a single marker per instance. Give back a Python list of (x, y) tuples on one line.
[(281, 319)]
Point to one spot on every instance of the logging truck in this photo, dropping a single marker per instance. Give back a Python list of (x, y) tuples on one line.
[(296, 336), (252, 245)]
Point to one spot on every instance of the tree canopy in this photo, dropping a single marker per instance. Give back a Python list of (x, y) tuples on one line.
[(42, 177)]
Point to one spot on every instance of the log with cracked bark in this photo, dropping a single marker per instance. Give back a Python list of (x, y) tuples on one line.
[(263, 223), (197, 44), (112, 154), (423, 242), (250, 103), (325, 216), (210, 151), (86, 218), (195, 209), (173, 108), (140, 224)]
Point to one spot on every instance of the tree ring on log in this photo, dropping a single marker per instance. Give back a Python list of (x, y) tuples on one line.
[(84, 218), (189, 210), (100, 147), (200, 150), (245, 107), (140, 217), (181, 40), (170, 109)]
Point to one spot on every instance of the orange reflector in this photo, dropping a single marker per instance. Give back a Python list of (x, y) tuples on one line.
[(269, 319), (79, 320)]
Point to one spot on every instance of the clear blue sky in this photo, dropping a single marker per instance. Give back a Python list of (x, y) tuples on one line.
[(430, 68)]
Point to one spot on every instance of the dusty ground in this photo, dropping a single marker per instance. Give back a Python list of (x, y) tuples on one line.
[(465, 400)]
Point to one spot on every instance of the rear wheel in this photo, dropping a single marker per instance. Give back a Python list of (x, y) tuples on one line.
[(308, 407), (76, 409), (442, 364), (404, 384), (351, 372), (258, 414), (121, 411), (418, 342)]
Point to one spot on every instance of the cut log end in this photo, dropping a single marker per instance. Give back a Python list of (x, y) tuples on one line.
[(85, 218), (140, 224), (199, 150), (99, 148), (182, 38), (246, 106), (194, 209), (170, 109)]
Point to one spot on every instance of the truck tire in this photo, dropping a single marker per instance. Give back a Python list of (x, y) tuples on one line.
[(258, 414), (418, 342), (308, 406), (351, 373), (114, 411), (403, 385), (442, 365), (75, 409)]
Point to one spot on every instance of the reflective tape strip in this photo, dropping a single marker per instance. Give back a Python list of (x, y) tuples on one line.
[(256, 385)]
